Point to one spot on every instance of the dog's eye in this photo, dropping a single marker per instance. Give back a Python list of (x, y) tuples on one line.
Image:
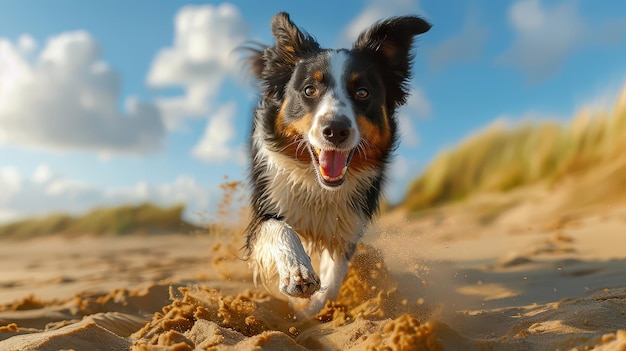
[(310, 91), (362, 93)]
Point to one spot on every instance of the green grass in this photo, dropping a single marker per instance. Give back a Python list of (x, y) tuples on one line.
[(116, 221), (503, 157)]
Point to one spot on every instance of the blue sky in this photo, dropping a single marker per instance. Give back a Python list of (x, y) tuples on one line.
[(103, 103)]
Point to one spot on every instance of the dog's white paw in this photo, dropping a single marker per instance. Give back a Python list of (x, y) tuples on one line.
[(313, 306), (301, 281)]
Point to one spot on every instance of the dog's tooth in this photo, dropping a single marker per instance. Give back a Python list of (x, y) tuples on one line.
[(344, 170)]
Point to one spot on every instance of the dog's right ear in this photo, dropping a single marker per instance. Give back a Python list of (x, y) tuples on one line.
[(389, 42), (274, 65), (291, 43)]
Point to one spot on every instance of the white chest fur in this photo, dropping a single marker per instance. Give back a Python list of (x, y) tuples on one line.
[(323, 218)]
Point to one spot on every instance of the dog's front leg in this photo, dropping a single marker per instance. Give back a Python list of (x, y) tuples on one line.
[(277, 248), (333, 270)]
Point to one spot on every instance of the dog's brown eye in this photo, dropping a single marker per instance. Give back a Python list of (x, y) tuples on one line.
[(310, 91), (362, 93)]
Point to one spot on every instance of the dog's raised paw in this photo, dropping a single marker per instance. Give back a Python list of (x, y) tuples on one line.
[(300, 282)]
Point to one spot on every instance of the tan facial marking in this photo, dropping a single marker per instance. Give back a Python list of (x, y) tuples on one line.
[(301, 126), (354, 77), (373, 134), (291, 133), (383, 110), (378, 141), (318, 76), (278, 123)]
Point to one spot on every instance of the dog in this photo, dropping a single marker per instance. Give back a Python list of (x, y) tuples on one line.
[(322, 138)]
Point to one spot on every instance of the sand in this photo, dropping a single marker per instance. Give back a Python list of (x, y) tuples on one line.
[(523, 271)]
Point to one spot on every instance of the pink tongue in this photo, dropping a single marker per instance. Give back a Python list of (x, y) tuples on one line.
[(332, 163)]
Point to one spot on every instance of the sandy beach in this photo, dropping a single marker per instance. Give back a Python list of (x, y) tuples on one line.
[(521, 271), (133, 136)]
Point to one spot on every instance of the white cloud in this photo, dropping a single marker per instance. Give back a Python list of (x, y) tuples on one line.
[(184, 189), (544, 37), (199, 60), (42, 174), (49, 192), (401, 171), (218, 135), (417, 107), (399, 168), (408, 134), (463, 46), (404, 168), (375, 11), (10, 184), (194, 104), (26, 45), (66, 98), (205, 37)]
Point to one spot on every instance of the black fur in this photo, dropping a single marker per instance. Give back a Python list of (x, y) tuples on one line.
[(381, 57)]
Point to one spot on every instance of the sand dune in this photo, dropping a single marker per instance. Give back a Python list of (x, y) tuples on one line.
[(541, 266), (470, 277)]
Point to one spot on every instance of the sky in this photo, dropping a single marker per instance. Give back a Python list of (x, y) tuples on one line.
[(111, 102)]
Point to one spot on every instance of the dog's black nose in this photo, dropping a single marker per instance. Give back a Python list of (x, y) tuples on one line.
[(336, 130)]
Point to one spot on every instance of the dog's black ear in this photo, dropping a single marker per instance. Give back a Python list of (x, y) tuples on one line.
[(390, 43), (252, 54), (291, 43), (274, 65)]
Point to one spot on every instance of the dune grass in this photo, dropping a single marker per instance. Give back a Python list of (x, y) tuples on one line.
[(115, 221), (503, 157)]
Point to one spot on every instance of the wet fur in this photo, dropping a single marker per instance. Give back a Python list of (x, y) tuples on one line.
[(296, 210)]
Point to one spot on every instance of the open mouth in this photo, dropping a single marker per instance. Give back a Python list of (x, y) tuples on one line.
[(331, 165)]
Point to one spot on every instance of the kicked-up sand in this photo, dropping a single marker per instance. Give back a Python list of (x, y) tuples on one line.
[(516, 272)]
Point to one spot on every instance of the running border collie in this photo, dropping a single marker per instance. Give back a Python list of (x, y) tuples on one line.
[(322, 137)]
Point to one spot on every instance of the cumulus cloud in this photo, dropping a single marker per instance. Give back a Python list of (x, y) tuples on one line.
[(205, 37), (544, 37), (417, 106), (66, 98), (216, 141), (199, 60), (195, 103), (408, 134), (10, 184), (402, 168), (26, 45), (374, 11), (46, 191), (42, 174), (401, 171), (463, 46)]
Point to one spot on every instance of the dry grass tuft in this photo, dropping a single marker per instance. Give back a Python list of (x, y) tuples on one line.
[(148, 219), (504, 157), (122, 220)]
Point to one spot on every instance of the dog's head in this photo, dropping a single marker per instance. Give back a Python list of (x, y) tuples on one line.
[(335, 108)]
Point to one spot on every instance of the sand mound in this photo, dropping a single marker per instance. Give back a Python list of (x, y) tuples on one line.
[(448, 288), (200, 317)]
